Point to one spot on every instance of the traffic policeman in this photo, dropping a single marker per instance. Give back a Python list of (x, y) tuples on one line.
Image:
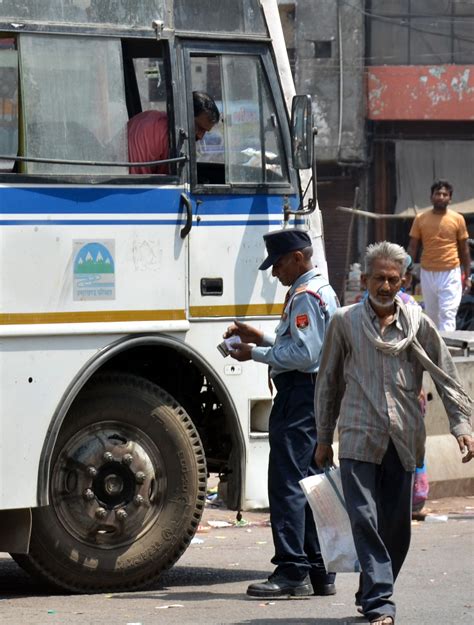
[(293, 358)]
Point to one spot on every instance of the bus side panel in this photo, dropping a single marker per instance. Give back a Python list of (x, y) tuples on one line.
[(36, 372), (90, 250)]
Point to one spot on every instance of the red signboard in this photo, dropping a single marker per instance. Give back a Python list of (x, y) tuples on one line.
[(421, 92)]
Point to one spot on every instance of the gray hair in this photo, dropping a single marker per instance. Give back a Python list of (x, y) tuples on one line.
[(388, 251)]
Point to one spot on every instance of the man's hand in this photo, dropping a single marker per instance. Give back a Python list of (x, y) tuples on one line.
[(324, 456), (247, 333), (241, 352), (466, 445)]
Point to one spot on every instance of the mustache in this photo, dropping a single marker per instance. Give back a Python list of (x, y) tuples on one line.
[(382, 304)]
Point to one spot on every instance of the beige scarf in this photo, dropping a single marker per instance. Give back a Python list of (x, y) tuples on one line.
[(410, 317)]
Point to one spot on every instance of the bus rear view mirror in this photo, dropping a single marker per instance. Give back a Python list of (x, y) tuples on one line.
[(302, 132)]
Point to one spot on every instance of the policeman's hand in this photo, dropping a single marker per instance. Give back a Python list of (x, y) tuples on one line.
[(324, 456), (241, 352), (247, 333), (466, 445)]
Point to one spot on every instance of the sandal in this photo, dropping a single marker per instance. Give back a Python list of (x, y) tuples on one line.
[(384, 619)]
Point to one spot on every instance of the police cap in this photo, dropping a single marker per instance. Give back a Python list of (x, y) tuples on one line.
[(281, 242)]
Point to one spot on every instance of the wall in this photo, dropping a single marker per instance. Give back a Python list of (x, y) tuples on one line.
[(333, 73)]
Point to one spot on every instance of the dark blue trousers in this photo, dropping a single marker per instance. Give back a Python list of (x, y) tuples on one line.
[(292, 433), (378, 500)]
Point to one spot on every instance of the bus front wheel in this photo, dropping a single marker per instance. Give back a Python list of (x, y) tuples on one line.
[(127, 489)]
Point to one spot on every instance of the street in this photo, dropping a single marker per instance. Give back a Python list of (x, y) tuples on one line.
[(208, 584)]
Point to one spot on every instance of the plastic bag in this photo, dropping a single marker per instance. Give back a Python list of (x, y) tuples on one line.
[(324, 495)]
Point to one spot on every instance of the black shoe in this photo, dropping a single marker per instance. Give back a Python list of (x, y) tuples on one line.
[(278, 586), (324, 590)]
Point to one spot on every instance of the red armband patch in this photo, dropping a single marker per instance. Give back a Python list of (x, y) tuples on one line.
[(302, 321)]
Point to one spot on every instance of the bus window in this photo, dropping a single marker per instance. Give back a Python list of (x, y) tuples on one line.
[(122, 13), (231, 16), (247, 147), (8, 102), (206, 77), (73, 101), (151, 81), (151, 119)]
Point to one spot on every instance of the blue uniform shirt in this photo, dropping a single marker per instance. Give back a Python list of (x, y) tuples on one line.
[(300, 333)]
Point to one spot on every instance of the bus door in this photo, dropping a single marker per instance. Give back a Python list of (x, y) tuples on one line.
[(240, 180)]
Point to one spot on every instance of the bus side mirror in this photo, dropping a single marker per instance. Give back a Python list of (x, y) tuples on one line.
[(302, 140)]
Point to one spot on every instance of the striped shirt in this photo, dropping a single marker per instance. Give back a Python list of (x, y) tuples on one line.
[(375, 395)]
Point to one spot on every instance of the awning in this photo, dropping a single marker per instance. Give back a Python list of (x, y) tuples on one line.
[(465, 208)]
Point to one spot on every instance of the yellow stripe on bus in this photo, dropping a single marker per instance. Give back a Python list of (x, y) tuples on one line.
[(91, 316), (239, 310), (104, 316)]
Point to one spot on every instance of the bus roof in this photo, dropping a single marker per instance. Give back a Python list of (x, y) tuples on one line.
[(234, 17)]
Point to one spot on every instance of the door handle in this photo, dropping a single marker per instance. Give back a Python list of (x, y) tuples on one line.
[(189, 216), (212, 286)]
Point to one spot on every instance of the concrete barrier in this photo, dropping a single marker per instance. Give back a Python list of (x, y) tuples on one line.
[(447, 475)]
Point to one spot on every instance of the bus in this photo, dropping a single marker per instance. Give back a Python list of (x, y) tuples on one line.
[(116, 288)]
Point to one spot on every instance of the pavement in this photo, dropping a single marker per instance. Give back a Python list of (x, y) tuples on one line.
[(451, 507), (208, 584)]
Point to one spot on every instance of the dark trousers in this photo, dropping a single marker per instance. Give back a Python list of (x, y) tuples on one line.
[(378, 500), (292, 434)]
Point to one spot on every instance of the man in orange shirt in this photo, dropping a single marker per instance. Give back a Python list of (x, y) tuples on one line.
[(148, 134), (443, 235)]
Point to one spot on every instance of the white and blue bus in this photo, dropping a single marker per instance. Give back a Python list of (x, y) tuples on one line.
[(116, 288)]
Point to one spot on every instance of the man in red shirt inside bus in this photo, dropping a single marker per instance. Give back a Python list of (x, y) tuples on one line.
[(148, 134)]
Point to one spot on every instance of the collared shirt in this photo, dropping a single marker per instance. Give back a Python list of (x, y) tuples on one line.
[(375, 395), (300, 333)]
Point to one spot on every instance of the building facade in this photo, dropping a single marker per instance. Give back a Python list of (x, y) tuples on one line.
[(393, 87)]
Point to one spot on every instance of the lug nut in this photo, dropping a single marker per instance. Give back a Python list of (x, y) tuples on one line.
[(140, 477), (121, 514), (127, 459), (138, 500), (101, 513), (88, 494), (108, 457), (91, 471)]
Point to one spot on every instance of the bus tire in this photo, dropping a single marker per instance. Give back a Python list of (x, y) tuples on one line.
[(127, 489)]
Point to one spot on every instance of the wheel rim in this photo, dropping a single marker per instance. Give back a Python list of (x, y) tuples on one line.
[(108, 484)]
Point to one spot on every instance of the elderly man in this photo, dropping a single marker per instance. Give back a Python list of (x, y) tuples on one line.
[(369, 378), (293, 359)]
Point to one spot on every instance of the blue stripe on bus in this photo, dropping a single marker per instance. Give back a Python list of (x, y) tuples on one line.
[(139, 222), (83, 201)]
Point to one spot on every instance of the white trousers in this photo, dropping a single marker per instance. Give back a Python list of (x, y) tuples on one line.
[(442, 292)]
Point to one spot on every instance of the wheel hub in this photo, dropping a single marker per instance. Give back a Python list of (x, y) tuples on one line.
[(114, 485), (108, 484)]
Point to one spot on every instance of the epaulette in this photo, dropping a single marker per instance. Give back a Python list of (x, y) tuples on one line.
[(322, 303), (302, 288)]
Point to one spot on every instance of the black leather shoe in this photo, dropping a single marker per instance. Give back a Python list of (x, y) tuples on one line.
[(324, 590), (277, 586)]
